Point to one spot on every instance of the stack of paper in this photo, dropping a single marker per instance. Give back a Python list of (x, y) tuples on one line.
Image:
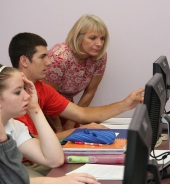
[(102, 172), (117, 147)]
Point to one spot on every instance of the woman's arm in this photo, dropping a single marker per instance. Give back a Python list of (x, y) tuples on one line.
[(47, 150), (86, 98), (90, 91)]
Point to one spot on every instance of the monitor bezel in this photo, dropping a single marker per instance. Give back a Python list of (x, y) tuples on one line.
[(155, 90), (138, 147), (161, 66)]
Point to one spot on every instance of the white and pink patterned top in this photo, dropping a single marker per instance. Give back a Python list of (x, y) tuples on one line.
[(68, 73)]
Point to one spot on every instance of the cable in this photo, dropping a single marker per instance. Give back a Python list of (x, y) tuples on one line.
[(162, 170), (164, 155)]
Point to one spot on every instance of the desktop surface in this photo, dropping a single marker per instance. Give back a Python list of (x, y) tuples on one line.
[(61, 171)]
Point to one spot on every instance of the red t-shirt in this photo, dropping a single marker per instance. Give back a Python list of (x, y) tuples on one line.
[(50, 101)]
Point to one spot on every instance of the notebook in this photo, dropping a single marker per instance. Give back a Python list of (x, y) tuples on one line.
[(117, 147), (94, 158)]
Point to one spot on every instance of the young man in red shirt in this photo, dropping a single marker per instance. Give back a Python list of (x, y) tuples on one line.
[(28, 52)]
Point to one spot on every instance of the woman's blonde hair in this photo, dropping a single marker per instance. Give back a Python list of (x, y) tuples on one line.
[(81, 27), (5, 73)]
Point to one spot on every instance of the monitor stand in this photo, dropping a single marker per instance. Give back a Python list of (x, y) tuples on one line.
[(157, 173), (166, 122), (165, 169), (153, 169)]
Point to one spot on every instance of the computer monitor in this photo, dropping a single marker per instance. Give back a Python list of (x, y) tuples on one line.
[(138, 147), (161, 66), (155, 100)]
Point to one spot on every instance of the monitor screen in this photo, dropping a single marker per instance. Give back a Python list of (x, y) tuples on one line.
[(155, 100), (161, 66), (138, 147)]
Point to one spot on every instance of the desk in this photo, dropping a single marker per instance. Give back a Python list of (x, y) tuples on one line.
[(61, 171)]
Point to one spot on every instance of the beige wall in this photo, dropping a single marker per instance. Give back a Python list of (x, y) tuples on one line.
[(139, 34)]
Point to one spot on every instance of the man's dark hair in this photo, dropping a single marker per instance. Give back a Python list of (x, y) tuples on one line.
[(24, 44)]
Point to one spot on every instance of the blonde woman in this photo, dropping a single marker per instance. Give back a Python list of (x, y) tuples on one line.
[(79, 63)]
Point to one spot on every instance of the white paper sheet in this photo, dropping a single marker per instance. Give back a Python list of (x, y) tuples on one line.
[(116, 126), (158, 152), (118, 121), (102, 172)]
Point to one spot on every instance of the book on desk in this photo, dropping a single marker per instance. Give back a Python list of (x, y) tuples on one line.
[(94, 158), (87, 153)]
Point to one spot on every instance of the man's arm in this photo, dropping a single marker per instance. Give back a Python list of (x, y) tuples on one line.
[(65, 133), (100, 114)]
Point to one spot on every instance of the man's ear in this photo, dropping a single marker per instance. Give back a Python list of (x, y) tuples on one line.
[(0, 103), (24, 61)]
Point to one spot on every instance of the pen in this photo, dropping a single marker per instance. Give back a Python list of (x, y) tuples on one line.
[(93, 144)]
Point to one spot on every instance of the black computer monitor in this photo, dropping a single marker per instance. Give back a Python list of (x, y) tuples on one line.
[(155, 100), (161, 66), (138, 147)]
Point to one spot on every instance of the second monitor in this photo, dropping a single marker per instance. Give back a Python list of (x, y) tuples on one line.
[(155, 100), (138, 147)]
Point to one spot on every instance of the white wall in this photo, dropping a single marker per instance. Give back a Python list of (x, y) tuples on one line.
[(139, 34)]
